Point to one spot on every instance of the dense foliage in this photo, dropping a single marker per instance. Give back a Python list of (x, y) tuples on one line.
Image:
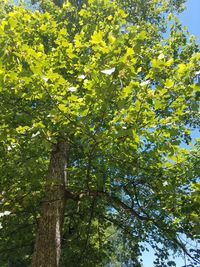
[(124, 98)]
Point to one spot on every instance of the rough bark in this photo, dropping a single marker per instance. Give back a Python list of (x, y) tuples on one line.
[(49, 234)]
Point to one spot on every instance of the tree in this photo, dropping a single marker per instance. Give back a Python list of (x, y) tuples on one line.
[(95, 104)]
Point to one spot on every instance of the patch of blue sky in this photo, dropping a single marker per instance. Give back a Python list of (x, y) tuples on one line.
[(191, 18)]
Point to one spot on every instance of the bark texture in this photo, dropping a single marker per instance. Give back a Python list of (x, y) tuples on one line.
[(49, 234)]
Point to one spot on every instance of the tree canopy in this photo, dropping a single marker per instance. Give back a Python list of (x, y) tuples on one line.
[(110, 85)]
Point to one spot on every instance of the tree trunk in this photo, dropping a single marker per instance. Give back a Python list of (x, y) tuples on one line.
[(48, 239)]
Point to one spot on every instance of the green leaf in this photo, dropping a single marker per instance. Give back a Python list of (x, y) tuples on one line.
[(169, 83), (22, 129), (97, 37), (63, 108)]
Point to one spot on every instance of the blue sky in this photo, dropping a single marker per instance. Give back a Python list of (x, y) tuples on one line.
[(190, 18)]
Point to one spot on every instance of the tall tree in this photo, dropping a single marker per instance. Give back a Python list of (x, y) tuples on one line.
[(95, 106)]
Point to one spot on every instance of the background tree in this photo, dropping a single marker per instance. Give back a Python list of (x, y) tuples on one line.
[(95, 104)]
